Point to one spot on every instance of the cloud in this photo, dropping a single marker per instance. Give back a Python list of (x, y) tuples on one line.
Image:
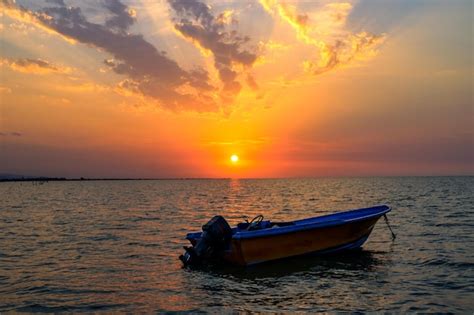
[(239, 142), (226, 17), (34, 66), (149, 71), (196, 22), (122, 18), (336, 45), (5, 89), (11, 134), (20, 14), (251, 82)]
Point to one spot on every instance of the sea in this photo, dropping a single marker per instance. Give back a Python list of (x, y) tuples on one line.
[(113, 246)]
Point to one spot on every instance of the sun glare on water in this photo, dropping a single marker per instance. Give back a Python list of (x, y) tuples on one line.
[(234, 158)]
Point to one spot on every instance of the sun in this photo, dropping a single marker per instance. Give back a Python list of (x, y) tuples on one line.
[(234, 158)]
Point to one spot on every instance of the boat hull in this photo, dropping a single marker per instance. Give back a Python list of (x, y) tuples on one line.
[(335, 238), (316, 235)]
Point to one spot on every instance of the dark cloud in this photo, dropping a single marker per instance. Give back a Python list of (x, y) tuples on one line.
[(123, 17), (196, 21), (149, 71)]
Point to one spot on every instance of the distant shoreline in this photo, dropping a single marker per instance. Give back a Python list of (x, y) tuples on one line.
[(64, 179)]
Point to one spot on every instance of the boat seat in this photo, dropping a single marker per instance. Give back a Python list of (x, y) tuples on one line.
[(243, 226), (280, 224)]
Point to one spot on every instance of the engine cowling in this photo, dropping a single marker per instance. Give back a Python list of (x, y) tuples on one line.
[(214, 239)]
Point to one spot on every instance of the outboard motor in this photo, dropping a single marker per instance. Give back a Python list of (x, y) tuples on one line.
[(214, 239)]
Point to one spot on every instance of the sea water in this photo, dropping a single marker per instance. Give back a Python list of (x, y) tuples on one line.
[(114, 245)]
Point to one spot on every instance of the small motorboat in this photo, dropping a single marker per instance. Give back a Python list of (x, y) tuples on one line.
[(261, 240)]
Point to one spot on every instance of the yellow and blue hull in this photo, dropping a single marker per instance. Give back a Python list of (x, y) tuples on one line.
[(318, 235)]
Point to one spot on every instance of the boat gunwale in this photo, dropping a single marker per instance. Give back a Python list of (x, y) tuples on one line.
[(312, 225)]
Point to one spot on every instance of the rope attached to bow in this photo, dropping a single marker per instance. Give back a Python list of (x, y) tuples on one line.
[(389, 227)]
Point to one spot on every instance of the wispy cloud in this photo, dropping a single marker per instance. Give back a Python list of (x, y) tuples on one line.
[(196, 21), (326, 31), (34, 66), (240, 142)]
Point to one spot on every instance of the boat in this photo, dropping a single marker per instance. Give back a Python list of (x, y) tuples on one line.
[(260, 240)]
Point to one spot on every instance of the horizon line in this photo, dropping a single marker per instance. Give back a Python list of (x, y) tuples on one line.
[(47, 178)]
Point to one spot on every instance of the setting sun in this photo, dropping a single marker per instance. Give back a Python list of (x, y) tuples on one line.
[(234, 158)]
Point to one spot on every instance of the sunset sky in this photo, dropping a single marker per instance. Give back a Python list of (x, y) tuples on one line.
[(174, 88)]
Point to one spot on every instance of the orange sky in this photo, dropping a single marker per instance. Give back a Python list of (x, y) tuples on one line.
[(174, 88)]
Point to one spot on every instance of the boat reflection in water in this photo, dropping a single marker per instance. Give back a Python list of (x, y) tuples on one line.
[(305, 283), (329, 265)]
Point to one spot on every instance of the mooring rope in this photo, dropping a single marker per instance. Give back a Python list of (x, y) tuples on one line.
[(389, 227)]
